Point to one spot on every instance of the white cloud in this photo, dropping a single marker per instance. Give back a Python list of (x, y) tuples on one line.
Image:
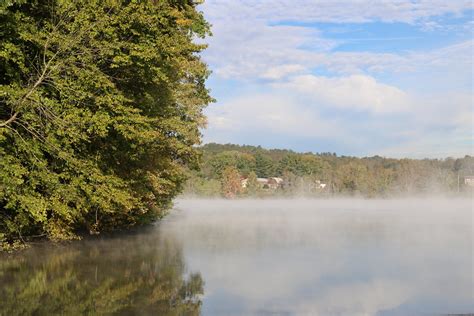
[(356, 92), (431, 146), (413, 102), (249, 49), (279, 72), (377, 118), (338, 11), (253, 59), (248, 42), (268, 114), (440, 126)]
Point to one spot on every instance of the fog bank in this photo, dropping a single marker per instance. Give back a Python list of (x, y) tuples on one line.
[(329, 257)]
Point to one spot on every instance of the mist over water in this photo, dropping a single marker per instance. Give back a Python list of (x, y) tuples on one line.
[(329, 257), (260, 257)]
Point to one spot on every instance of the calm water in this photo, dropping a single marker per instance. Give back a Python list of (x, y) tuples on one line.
[(285, 257)]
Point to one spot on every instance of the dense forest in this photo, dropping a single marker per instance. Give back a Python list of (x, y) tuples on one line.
[(224, 167), (100, 109)]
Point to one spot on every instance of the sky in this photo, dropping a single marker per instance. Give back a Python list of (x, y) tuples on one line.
[(355, 77)]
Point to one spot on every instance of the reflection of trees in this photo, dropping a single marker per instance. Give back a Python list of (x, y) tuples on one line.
[(114, 276)]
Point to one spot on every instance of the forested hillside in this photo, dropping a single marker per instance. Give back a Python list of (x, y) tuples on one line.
[(224, 166)]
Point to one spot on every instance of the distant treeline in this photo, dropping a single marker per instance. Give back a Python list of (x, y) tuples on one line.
[(224, 167)]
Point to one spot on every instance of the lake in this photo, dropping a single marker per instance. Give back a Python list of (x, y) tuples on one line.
[(259, 257)]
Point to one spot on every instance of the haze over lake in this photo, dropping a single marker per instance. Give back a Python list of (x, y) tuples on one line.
[(261, 257)]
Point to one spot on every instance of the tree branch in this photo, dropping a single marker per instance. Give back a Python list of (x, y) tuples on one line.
[(11, 119), (28, 94)]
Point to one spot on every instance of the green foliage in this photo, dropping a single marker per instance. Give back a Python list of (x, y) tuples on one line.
[(244, 162), (301, 164), (230, 182), (303, 173), (196, 185), (100, 108), (253, 187), (264, 166)]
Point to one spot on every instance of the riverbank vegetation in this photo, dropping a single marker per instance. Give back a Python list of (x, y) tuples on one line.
[(322, 174), (100, 108)]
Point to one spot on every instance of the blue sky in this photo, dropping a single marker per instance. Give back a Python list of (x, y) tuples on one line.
[(362, 78)]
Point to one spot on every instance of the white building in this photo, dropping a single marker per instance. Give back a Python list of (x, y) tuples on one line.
[(469, 180)]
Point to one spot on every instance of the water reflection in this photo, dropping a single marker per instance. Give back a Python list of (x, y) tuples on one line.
[(351, 257), (142, 274)]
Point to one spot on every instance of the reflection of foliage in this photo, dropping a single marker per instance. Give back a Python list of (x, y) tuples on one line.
[(113, 276)]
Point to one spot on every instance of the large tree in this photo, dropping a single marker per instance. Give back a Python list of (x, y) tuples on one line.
[(230, 182), (100, 108)]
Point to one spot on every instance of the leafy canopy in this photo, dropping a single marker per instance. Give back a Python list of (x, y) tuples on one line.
[(100, 108)]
